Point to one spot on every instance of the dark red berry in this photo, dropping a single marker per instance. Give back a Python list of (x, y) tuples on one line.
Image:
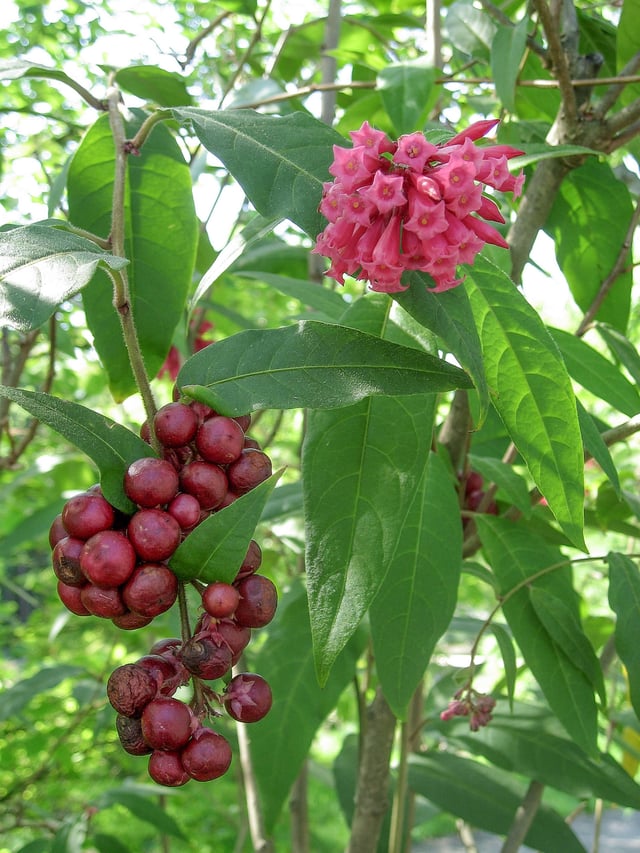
[(207, 657), (166, 723), (474, 482), (71, 597), (86, 514), (130, 688), (163, 669), (154, 534), (57, 531), (102, 602), (186, 510), (258, 601), (166, 769), (250, 469), (206, 482), (175, 424), (130, 733), (207, 756), (244, 421), (152, 589), (108, 558), (220, 440), (131, 621), (251, 562), (247, 697), (150, 481), (220, 599), (66, 561), (235, 636), (167, 646)]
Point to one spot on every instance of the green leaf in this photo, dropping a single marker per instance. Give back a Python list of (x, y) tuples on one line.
[(417, 598), (596, 373), (17, 697), (531, 391), (595, 446), (111, 446), (520, 559), (40, 267), (108, 844), (161, 234), (527, 742), (354, 518), (294, 153), (628, 44), (309, 364), (144, 808), (448, 315), (40, 845), (588, 224), (507, 50), (300, 705), (154, 84), (487, 798), (535, 152), (214, 551), (563, 626), (470, 29), (624, 599), (408, 93), (328, 302), (508, 654), (622, 349), (71, 836), (513, 486)]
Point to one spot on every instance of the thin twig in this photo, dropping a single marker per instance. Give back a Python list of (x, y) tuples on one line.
[(558, 60), (523, 818), (627, 75), (197, 39)]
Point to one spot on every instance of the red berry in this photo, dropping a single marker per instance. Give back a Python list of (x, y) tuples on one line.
[(250, 469), (86, 514), (258, 601), (220, 440), (102, 602), (166, 769), (244, 421), (185, 509), (220, 599), (71, 597), (207, 657), (66, 561), (108, 558), (131, 621), (162, 668), (154, 534), (57, 531), (130, 688), (150, 481), (206, 482), (166, 723), (152, 589), (175, 424), (251, 562), (207, 756), (247, 697), (235, 636)]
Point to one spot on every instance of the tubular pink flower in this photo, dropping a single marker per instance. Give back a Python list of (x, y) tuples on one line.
[(414, 151), (376, 142), (474, 131), (489, 210), (387, 249), (358, 208), (386, 192), (349, 167), (485, 232), (426, 217), (455, 177), (465, 202)]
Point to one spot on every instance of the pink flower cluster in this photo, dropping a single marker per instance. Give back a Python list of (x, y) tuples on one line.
[(412, 205), (477, 706)]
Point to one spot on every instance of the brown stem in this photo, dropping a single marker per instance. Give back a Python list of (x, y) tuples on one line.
[(627, 75), (372, 791), (523, 818), (558, 59), (190, 52), (298, 807), (261, 843)]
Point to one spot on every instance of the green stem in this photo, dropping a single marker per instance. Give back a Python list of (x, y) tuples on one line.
[(134, 145), (400, 798), (121, 290)]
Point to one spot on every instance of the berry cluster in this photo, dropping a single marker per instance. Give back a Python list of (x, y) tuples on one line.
[(473, 495), (115, 566), (412, 205)]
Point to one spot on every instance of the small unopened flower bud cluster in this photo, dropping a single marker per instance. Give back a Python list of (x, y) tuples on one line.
[(412, 205), (469, 703)]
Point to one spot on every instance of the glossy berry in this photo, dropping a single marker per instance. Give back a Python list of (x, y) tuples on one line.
[(166, 723), (163, 669), (235, 636), (102, 602), (71, 597), (131, 621), (150, 481), (251, 562), (66, 561), (57, 531), (250, 469), (207, 657), (220, 440), (247, 697), (152, 589), (207, 756), (258, 601), (175, 424), (130, 688), (107, 558), (186, 510), (206, 482), (154, 534), (220, 599), (166, 769), (86, 514)]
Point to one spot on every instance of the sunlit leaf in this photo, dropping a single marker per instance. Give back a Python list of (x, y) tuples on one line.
[(624, 599)]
